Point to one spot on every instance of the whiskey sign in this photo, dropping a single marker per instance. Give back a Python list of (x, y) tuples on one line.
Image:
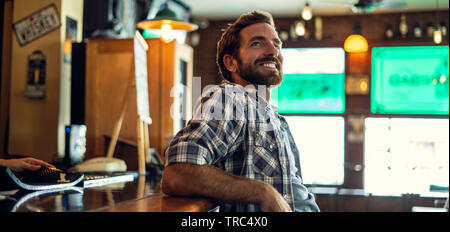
[(37, 24)]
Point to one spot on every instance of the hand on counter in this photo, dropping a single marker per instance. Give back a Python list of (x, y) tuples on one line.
[(18, 165)]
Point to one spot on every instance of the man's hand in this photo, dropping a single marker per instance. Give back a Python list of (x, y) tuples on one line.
[(272, 201)]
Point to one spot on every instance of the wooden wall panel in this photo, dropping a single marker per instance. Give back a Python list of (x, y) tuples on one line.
[(34, 122), (36, 126)]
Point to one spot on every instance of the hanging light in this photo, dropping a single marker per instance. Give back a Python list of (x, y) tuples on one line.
[(356, 42), (300, 28), (306, 12), (437, 36), (166, 21)]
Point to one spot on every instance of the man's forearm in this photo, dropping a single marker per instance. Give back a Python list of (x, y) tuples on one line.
[(208, 181)]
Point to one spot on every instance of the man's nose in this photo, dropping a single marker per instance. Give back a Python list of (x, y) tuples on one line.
[(272, 50)]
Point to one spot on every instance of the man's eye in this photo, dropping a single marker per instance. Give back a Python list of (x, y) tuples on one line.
[(255, 44)]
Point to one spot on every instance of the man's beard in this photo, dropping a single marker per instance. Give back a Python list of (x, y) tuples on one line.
[(250, 73)]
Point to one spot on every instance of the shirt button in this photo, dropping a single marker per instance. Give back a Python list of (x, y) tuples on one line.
[(271, 146), (258, 134), (284, 125)]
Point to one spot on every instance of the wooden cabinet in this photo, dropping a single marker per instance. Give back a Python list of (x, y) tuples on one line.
[(109, 65)]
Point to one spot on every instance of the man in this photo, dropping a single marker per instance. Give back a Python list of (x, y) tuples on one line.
[(237, 149)]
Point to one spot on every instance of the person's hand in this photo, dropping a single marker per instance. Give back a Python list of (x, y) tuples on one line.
[(22, 164), (274, 202)]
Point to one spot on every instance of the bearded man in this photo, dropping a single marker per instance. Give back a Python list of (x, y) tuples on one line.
[(237, 149)]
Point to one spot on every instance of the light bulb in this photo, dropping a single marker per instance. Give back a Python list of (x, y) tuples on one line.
[(437, 36), (306, 12), (166, 33), (300, 28)]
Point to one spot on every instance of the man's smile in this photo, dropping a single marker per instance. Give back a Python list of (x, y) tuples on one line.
[(269, 63)]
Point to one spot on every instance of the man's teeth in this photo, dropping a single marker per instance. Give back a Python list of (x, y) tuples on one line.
[(269, 65)]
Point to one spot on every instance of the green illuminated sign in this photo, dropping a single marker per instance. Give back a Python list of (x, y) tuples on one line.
[(310, 93), (150, 34), (410, 80)]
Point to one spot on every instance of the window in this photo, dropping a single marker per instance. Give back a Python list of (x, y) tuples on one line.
[(320, 141), (313, 81), (406, 155)]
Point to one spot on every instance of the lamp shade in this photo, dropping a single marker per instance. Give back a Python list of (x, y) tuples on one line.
[(355, 43), (166, 17)]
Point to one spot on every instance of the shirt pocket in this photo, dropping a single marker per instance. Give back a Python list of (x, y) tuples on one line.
[(265, 155)]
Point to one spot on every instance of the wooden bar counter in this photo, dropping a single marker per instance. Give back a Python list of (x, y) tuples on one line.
[(143, 194), (161, 203)]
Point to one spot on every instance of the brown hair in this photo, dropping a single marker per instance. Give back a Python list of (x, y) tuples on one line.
[(230, 41)]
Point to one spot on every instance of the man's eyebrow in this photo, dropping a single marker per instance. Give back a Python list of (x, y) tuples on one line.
[(260, 37)]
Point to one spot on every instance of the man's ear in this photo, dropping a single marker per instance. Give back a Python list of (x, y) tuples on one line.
[(230, 63)]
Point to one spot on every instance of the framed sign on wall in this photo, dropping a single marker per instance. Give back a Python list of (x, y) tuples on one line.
[(410, 80), (37, 24)]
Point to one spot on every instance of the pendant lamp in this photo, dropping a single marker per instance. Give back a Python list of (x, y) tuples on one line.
[(437, 34), (356, 42), (166, 20), (306, 12)]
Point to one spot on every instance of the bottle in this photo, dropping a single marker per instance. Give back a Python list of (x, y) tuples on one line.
[(389, 32), (430, 30), (403, 27), (443, 29), (417, 31)]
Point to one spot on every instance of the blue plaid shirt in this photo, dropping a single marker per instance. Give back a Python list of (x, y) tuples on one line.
[(233, 128)]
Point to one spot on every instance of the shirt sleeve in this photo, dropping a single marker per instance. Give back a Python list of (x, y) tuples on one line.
[(210, 135)]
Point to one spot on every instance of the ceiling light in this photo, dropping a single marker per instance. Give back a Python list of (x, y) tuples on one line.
[(300, 28), (356, 42), (306, 12), (166, 20), (437, 36)]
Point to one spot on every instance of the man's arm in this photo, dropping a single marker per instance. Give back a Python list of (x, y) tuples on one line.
[(209, 181)]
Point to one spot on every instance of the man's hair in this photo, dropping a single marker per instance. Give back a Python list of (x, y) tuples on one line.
[(230, 41)]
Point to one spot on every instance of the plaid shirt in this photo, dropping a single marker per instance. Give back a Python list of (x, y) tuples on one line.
[(234, 129)]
